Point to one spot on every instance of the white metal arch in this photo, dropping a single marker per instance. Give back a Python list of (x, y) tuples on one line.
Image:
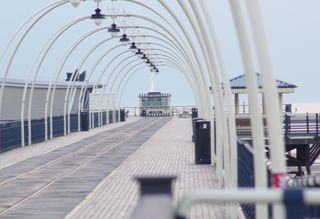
[(46, 11), (43, 53)]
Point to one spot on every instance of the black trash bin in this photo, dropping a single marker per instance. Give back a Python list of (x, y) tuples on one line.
[(194, 113), (202, 142), (122, 115), (193, 127), (85, 121), (288, 108)]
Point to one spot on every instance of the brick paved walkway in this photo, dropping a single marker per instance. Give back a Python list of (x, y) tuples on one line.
[(52, 184), (19, 154), (168, 152)]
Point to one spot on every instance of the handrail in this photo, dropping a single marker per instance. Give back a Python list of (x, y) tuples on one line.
[(249, 196)]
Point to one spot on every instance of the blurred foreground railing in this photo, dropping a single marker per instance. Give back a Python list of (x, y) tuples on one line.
[(293, 200), (156, 200)]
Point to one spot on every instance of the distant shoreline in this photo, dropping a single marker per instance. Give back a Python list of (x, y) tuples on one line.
[(307, 107)]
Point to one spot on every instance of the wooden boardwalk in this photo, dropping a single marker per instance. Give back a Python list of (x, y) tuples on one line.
[(93, 178)]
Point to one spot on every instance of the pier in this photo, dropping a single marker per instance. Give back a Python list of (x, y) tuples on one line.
[(93, 177), (83, 136)]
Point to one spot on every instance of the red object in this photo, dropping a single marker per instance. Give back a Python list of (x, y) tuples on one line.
[(278, 179)]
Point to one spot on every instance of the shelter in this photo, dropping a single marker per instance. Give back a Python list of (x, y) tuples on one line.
[(238, 86), (155, 104)]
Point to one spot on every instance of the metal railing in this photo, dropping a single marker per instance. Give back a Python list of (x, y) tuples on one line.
[(10, 131), (294, 200), (302, 124)]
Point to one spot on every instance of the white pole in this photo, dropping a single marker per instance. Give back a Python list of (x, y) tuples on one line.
[(215, 46), (272, 107), (260, 170), (270, 94), (217, 94), (196, 55)]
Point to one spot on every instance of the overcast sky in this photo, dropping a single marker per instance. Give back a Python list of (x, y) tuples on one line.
[(292, 26)]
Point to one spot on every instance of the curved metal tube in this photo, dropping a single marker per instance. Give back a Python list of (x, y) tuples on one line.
[(164, 19), (215, 46), (113, 71), (18, 46), (84, 86), (44, 50), (81, 95), (54, 82), (252, 87), (229, 148), (222, 144), (171, 35), (156, 44), (268, 79), (23, 26), (179, 47), (196, 56), (79, 69), (179, 66)]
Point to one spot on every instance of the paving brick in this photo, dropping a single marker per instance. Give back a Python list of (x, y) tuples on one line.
[(168, 152), (19, 154)]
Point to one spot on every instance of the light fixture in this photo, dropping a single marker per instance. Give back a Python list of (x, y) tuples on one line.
[(75, 3), (133, 47), (124, 38), (113, 30), (144, 56), (148, 61), (97, 17), (139, 52)]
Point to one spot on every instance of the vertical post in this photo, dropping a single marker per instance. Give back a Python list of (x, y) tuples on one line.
[(244, 107), (281, 102), (293, 200), (155, 200), (307, 122), (286, 125), (317, 124), (236, 103), (263, 104)]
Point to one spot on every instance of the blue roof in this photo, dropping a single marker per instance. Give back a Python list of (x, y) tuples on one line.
[(239, 82)]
